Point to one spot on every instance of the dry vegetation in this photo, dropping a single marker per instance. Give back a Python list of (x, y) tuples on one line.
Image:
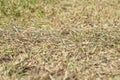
[(59, 39)]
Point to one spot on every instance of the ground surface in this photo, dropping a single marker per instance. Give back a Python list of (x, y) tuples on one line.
[(60, 40)]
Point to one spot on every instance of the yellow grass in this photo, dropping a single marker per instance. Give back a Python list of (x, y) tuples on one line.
[(59, 40)]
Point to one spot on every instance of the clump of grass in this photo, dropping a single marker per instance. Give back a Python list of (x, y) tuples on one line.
[(18, 8)]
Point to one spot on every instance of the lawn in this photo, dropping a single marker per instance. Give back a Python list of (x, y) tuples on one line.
[(59, 39)]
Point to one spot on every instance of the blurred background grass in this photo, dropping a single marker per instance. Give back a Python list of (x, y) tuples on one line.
[(56, 12)]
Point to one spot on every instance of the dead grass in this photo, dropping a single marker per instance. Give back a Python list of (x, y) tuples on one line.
[(60, 40)]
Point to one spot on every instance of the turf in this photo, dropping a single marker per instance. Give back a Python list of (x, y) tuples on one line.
[(59, 40)]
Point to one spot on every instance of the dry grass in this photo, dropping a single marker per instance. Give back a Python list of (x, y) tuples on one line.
[(60, 40)]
